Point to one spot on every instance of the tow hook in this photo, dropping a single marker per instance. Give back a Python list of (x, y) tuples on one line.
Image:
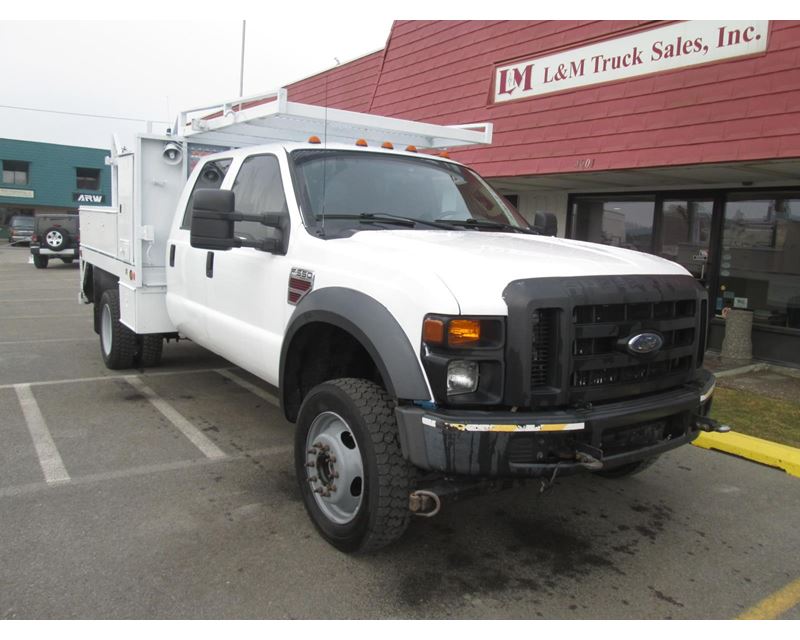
[(704, 423), (424, 503), (588, 462)]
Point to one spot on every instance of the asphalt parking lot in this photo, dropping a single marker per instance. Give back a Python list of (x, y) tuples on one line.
[(169, 493)]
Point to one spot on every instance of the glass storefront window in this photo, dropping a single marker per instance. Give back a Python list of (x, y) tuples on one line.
[(686, 234), (760, 261), (618, 221)]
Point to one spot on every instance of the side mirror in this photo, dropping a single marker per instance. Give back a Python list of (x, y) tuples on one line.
[(212, 219), (546, 224)]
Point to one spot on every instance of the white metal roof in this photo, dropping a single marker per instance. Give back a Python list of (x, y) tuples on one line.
[(237, 125)]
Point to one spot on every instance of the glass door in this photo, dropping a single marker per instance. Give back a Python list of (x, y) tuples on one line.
[(685, 234)]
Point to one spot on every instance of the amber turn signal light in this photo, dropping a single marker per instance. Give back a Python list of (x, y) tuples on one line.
[(461, 331), (433, 331)]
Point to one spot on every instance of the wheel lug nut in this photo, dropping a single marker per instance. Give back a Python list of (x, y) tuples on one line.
[(313, 479), (311, 464)]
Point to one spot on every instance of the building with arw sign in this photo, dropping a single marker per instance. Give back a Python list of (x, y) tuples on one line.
[(680, 139), (46, 178)]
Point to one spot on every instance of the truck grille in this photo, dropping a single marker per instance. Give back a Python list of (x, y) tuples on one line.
[(600, 331), (543, 346), (568, 337)]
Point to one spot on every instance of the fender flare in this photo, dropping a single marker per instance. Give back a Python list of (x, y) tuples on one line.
[(373, 326)]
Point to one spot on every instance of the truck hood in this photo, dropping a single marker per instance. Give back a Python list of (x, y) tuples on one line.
[(478, 265)]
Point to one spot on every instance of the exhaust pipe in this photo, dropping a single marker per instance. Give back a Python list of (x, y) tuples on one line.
[(424, 503)]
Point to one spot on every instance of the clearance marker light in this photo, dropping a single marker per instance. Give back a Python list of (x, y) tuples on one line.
[(387, 145), (411, 148), (433, 331), (361, 142), (314, 140)]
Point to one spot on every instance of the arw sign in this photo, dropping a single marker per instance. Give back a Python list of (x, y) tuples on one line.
[(678, 45)]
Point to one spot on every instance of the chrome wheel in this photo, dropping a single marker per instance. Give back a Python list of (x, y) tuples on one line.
[(334, 469), (106, 330)]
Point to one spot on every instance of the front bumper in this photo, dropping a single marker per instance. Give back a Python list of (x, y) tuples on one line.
[(506, 444)]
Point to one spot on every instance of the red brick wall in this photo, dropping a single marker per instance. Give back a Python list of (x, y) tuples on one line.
[(441, 71)]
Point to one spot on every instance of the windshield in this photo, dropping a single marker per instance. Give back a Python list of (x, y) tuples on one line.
[(22, 223), (340, 184)]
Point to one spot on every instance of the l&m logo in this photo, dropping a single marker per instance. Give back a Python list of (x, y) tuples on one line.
[(512, 78)]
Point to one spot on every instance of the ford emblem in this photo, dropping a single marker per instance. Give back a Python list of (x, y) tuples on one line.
[(644, 343)]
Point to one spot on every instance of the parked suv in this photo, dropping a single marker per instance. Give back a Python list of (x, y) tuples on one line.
[(55, 236), (20, 229)]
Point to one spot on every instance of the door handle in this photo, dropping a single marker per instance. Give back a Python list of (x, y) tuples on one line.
[(210, 264), (172, 255)]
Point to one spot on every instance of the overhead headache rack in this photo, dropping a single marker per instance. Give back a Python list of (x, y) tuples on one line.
[(270, 117)]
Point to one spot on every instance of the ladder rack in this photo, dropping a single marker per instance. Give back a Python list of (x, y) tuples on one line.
[(270, 117)]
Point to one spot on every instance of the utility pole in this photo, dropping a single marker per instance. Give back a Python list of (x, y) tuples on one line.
[(241, 68)]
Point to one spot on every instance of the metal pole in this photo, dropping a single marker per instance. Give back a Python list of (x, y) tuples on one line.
[(241, 72)]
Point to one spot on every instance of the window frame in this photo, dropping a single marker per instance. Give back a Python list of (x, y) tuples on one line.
[(26, 171), (281, 176), (78, 178)]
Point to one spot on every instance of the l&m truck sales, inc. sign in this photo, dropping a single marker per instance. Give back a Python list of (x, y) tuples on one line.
[(678, 45)]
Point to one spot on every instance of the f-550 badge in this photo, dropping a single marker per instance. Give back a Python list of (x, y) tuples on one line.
[(300, 283)]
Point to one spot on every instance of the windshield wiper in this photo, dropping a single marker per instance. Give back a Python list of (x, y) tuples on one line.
[(388, 218), (472, 223)]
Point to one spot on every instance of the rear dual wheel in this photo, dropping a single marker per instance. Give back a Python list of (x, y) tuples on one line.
[(120, 347)]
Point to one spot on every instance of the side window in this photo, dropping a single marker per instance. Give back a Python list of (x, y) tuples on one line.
[(258, 189), (210, 177)]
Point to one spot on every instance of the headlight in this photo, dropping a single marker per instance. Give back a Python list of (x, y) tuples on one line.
[(462, 377), (463, 357)]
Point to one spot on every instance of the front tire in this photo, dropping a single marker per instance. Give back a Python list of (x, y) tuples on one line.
[(117, 342), (353, 478), (40, 261)]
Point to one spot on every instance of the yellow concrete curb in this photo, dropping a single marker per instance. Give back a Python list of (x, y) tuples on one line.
[(763, 451)]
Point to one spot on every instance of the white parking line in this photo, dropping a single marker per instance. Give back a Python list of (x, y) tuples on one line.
[(195, 436), (48, 316), (261, 393), (145, 470), (9, 342), (49, 458), (43, 300), (100, 378)]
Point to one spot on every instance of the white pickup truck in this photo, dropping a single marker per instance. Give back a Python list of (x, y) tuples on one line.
[(423, 336)]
